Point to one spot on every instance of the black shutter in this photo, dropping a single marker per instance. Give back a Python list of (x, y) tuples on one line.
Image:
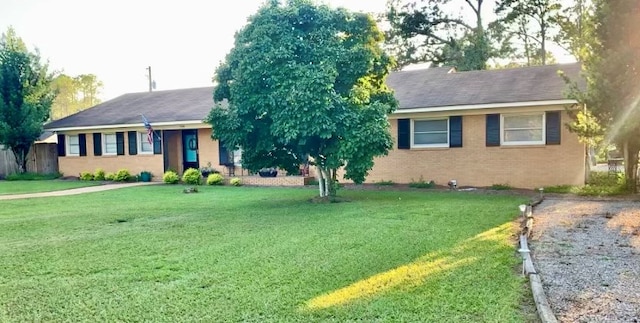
[(553, 127), (157, 142), (223, 152), (82, 141), (455, 131), (61, 145), (493, 130), (133, 142), (97, 144), (404, 133), (120, 143)]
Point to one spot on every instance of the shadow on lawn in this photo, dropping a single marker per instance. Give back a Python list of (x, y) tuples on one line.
[(416, 273)]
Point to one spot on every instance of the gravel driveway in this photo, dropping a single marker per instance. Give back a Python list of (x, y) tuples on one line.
[(588, 255)]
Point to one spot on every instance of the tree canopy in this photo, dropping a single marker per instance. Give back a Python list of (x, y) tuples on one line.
[(25, 96), (438, 32), (306, 80), (612, 72), (74, 94)]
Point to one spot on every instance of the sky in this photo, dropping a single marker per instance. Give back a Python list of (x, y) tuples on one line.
[(183, 41)]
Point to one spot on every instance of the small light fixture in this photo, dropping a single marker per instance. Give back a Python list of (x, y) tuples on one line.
[(453, 184), (522, 207), (541, 190)]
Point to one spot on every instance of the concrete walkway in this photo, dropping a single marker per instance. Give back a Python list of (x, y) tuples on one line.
[(75, 191)]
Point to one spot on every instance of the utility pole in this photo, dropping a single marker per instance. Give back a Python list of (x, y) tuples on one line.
[(150, 79)]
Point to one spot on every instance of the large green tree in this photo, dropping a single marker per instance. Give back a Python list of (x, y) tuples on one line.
[(306, 80), (25, 96), (534, 23), (445, 32), (612, 72), (74, 94)]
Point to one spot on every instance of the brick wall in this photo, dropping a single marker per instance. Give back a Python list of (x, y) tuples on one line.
[(477, 165)]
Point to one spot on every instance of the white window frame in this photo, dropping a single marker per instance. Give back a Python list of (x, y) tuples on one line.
[(237, 157), (523, 143), (104, 144), (142, 137), (68, 145), (442, 145)]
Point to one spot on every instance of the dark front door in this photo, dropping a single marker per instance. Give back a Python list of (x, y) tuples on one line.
[(190, 149)]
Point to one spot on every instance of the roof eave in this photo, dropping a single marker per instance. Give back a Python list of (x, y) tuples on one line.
[(486, 106), (128, 125)]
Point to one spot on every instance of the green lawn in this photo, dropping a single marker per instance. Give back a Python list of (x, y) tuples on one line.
[(230, 254), (21, 187)]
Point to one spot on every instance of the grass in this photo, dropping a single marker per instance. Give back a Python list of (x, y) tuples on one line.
[(600, 184), (35, 186), (230, 254), (422, 183), (500, 187), (27, 176)]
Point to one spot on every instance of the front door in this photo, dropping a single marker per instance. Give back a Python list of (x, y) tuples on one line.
[(190, 149)]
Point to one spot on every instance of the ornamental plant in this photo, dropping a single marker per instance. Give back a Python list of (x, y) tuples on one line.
[(170, 177), (215, 179), (192, 176)]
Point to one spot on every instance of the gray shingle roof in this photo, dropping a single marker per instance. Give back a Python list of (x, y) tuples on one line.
[(425, 88), (161, 106), (434, 87)]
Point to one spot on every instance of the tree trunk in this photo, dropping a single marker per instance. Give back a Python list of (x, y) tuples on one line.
[(321, 182), (630, 151), (21, 158)]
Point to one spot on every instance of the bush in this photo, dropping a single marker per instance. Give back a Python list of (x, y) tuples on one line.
[(422, 183), (500, 187), (215, 179), (122, 175), (32, 176), (170, 177), (109, 176), (384, 183), (235, 181), (86, 176), (192, 176), (98, 175)]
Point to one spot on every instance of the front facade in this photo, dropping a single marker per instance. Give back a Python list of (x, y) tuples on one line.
[(480, 128)]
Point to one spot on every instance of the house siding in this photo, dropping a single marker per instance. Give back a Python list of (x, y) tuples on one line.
[(74, 165), (477, 165)]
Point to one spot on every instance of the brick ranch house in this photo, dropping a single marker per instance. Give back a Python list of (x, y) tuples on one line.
[(479, 128)]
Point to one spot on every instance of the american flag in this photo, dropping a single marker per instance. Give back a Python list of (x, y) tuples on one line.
[(147, 126)]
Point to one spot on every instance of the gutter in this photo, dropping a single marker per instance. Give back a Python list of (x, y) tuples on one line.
[(155, 125)]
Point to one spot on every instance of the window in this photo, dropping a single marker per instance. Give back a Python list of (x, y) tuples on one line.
[(523, 129), (144, 147), (430, 133), (73, 145), (110, 144)]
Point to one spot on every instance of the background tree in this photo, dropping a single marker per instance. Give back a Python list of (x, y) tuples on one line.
[(438, 31), (306, 80), (612, 72), (533, 23), (25, 96), (74, 94)]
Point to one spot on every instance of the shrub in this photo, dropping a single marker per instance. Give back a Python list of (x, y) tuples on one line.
[(86, 176), (235, 181), (28, 176), (170, 177), (500, 187), (421, 183), (109, 176), (122, 175), (384, 183), (98, 175), (192, 176), (562, 189), (215, 179)]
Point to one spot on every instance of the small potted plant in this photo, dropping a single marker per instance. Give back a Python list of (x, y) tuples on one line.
[(207, 170), (268, 172), (145, 176)]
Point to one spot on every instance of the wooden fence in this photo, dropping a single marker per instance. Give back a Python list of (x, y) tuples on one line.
[(42, 158)]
